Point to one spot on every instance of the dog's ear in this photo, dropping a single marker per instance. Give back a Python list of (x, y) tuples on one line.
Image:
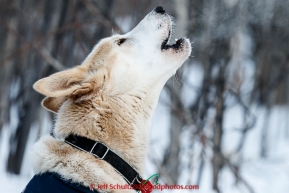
[(63, 83), (53, 104), (74, 82)]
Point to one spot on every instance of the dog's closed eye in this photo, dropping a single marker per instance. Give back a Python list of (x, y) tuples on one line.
[(121, 41)]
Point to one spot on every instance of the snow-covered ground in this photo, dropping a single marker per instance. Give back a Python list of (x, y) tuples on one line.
[(10, 183)]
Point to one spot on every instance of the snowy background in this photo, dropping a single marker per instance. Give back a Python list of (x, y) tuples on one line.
[(235, 82)]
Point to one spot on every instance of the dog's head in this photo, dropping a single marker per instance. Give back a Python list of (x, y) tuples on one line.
[(140, 60)]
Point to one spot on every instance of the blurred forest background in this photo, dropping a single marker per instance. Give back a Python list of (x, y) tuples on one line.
[(222, 122)]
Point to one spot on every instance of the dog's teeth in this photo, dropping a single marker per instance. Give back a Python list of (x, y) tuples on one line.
[(176, 40)]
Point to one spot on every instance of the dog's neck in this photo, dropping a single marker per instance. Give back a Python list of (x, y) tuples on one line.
[(122, 122)]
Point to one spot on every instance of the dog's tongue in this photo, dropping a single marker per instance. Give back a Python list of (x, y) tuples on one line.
[(147, 187)]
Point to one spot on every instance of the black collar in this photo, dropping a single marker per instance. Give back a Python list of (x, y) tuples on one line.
[(101, 151)]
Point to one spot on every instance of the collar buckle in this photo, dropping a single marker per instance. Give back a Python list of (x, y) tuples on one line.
[(99, 157), (136, 179)]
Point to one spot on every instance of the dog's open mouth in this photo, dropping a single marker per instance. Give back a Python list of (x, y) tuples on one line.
[(179, 43)]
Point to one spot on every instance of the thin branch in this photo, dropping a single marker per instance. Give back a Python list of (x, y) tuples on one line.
[(104, 20), (235, 171), (162, 170), (248, 126), (49, 58), (43, 51)]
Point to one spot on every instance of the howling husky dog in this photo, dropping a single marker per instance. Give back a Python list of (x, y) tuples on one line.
[(104, 107)]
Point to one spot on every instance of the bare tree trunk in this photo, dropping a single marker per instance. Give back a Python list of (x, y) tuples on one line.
[(172, 162), (7, 46), (221, 58), (217, 160), (27, 100)]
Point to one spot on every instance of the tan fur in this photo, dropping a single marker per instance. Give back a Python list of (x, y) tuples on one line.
[(53, 104), (109, 98), (113, 120)]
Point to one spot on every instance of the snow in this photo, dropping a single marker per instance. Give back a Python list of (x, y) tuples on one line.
[(12, 183), (8, 182)]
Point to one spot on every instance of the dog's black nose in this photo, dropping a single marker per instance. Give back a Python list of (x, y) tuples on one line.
[(160, 9)]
